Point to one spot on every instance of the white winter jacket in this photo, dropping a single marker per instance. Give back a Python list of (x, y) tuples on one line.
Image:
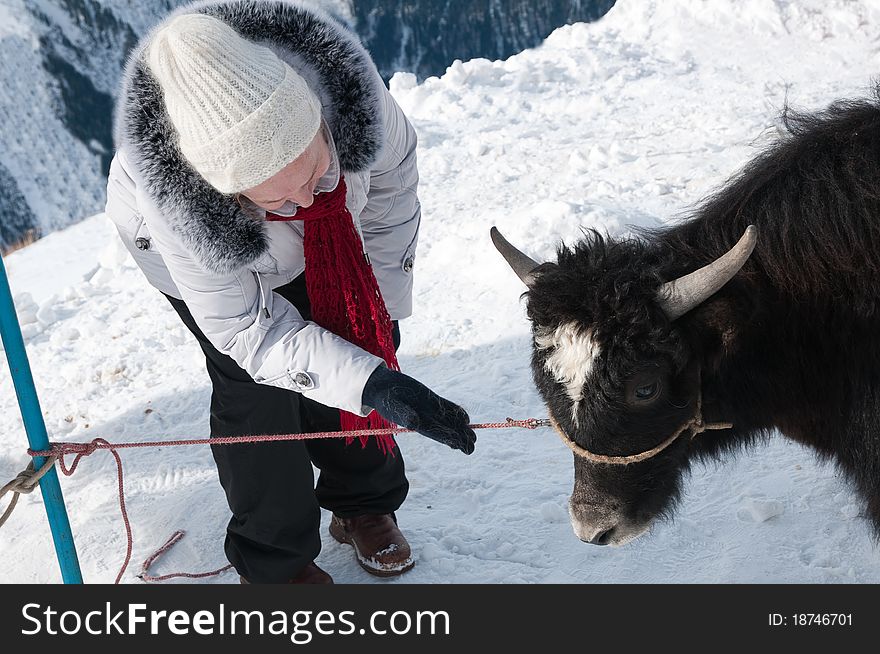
[(201, 246)]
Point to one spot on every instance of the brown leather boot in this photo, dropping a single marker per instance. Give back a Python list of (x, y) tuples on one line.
[(311, 574), (378, 544)]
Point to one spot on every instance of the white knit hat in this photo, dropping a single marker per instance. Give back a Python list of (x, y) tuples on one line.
[(241, 113)]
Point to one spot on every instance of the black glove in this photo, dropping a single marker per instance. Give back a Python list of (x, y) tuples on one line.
[(412, 405)]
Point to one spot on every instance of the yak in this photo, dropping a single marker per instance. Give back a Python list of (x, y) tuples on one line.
[(758, 311)]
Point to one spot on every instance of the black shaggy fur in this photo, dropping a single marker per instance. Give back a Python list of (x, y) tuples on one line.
[(792, 342), (337, 68)]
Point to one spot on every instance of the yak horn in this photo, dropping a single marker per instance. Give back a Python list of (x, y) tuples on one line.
[(522, 264), (683, 294)]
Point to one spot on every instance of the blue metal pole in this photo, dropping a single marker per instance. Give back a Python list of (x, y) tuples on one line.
[(32, 416)]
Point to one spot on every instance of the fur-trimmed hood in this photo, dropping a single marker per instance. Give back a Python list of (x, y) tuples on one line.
[(213, 226)]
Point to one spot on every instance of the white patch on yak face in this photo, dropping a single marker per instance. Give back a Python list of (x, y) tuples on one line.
[(574, 351)]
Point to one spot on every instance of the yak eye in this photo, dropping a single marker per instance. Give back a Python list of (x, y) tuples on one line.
[(647, 392)]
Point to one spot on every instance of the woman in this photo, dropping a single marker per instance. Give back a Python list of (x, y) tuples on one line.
[(265, 182)]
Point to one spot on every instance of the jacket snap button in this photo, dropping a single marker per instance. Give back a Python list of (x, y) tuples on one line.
[(142, 243), (302, 380), (408, 264)]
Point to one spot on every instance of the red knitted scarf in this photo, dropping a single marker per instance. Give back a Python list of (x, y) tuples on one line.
[(343, 291)]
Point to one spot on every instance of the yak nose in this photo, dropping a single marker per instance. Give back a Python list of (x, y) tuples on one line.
[(592, 534), (598, 525), (589, 525), (602, 538)]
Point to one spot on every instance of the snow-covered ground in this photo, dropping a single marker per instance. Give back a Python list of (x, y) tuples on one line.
[(627, 121)]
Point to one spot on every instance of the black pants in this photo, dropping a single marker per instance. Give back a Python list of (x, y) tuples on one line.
[(274, 530)]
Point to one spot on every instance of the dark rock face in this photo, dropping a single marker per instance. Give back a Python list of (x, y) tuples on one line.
[(16, 218), (425, 36)]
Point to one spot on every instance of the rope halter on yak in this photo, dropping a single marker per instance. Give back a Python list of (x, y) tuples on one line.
[(695, 424)]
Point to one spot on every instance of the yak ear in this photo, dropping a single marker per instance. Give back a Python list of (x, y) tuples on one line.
[(715, 325)]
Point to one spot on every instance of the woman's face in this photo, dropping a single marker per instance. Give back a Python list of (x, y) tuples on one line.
[(296, 181)]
